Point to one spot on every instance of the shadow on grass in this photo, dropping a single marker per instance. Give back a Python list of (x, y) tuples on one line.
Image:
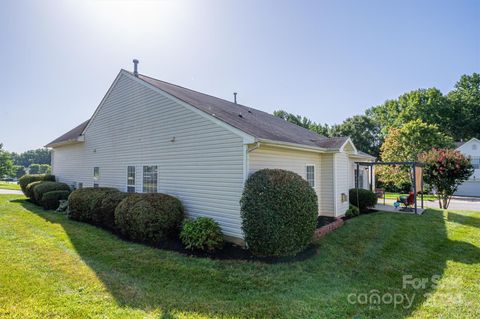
[(370, 253), (464, 220)]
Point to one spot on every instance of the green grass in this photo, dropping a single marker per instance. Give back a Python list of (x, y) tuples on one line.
[(9, 185), (428, 197), (52, 267)]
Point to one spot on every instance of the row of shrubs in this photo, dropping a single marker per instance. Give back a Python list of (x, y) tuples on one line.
[(149, 218), (42, 190)]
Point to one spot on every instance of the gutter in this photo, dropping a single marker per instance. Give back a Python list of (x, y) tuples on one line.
[(296, 146)]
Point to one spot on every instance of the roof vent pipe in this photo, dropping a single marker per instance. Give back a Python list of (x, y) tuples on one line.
[(135, 67), (235, 97)]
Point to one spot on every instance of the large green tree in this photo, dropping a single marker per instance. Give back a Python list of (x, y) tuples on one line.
[(465, 99), (405, 144), (6, 163), (303, 122), (428, 105), (38, 156), (363, 130)]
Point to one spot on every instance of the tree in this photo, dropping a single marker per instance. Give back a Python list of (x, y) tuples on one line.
[(19, 171), (428, 105), (6, 163), (364, 132), (303, 122), (34, 169), (445, 170), (465, 99), (405, 144), (38, 156)]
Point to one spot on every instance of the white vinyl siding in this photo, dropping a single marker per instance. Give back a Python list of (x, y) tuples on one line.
[(471, 187), (199, 161), (327, 186), (342, 167), (282, 158)]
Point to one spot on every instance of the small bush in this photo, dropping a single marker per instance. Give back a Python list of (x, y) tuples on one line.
[(106, 213), (202, 233), (45, 187), (279, 212), (149, 217), (85, 204), (30, 178), (362, 198), (29, 190), (51, 200), (352, 211)]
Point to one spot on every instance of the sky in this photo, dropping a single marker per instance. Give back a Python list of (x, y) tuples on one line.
[(327, 60)]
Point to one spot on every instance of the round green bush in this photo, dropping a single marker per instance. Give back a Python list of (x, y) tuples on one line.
[(352, 211), (149, 217), (29, 190), (85, 204), (51, 200), (30, 178), (106, 216), (202, 233), (279, 212), (45, 187), (362, 198)]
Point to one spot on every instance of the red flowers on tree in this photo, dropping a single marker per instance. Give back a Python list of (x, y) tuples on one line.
[(445, 170)]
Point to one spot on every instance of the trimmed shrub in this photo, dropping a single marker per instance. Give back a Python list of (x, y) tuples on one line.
[(106, 213), (29, 190), (149, 217), (202, 233), (352, 211), (85, 204), (279, 212), (45, 187), (30, 178), (362, 198), (51, 200)]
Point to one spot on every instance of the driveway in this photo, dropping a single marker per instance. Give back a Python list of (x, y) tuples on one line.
[(457, 203), (10, 191)]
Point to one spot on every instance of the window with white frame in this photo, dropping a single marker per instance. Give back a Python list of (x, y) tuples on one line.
[(150, 179), (311, 175), (131, 179), (475, 160)]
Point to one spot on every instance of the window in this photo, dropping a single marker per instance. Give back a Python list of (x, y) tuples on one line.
[(475, 160), (474, 147), (150, 179), (359, 182), (311, 175), (131, 179), (96, 173)]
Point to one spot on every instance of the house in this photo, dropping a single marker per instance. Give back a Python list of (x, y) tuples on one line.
[(471, 149), (152, 136)]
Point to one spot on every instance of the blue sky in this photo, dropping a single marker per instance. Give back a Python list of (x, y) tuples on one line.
[(327, 60)]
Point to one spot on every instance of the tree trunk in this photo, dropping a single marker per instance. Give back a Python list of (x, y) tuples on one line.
[(439, 201), (445, 201)]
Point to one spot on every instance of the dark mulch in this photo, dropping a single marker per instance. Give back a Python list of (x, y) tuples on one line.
[(324, 220), (231, 252)]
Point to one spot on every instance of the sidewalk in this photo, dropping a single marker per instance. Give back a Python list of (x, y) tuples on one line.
[(457, 203)]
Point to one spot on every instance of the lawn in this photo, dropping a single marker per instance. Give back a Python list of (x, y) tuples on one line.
[(57, 268), (9, 185)]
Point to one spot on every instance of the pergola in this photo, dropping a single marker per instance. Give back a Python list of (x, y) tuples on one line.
[(413, 165)]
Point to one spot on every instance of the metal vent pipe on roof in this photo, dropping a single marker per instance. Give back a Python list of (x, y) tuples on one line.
[(235, 97), (135, 67)]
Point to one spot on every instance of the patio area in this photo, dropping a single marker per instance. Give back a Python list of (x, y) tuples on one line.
[(391, 208)]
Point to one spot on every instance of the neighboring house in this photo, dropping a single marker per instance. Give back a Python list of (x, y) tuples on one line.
[(471, 149), (152, 136)]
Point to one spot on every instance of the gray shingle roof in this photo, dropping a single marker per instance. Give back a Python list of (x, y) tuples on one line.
[(256, 123), (71, 135)]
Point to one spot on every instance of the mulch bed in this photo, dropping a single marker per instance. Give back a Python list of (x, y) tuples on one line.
[(232, 252)]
